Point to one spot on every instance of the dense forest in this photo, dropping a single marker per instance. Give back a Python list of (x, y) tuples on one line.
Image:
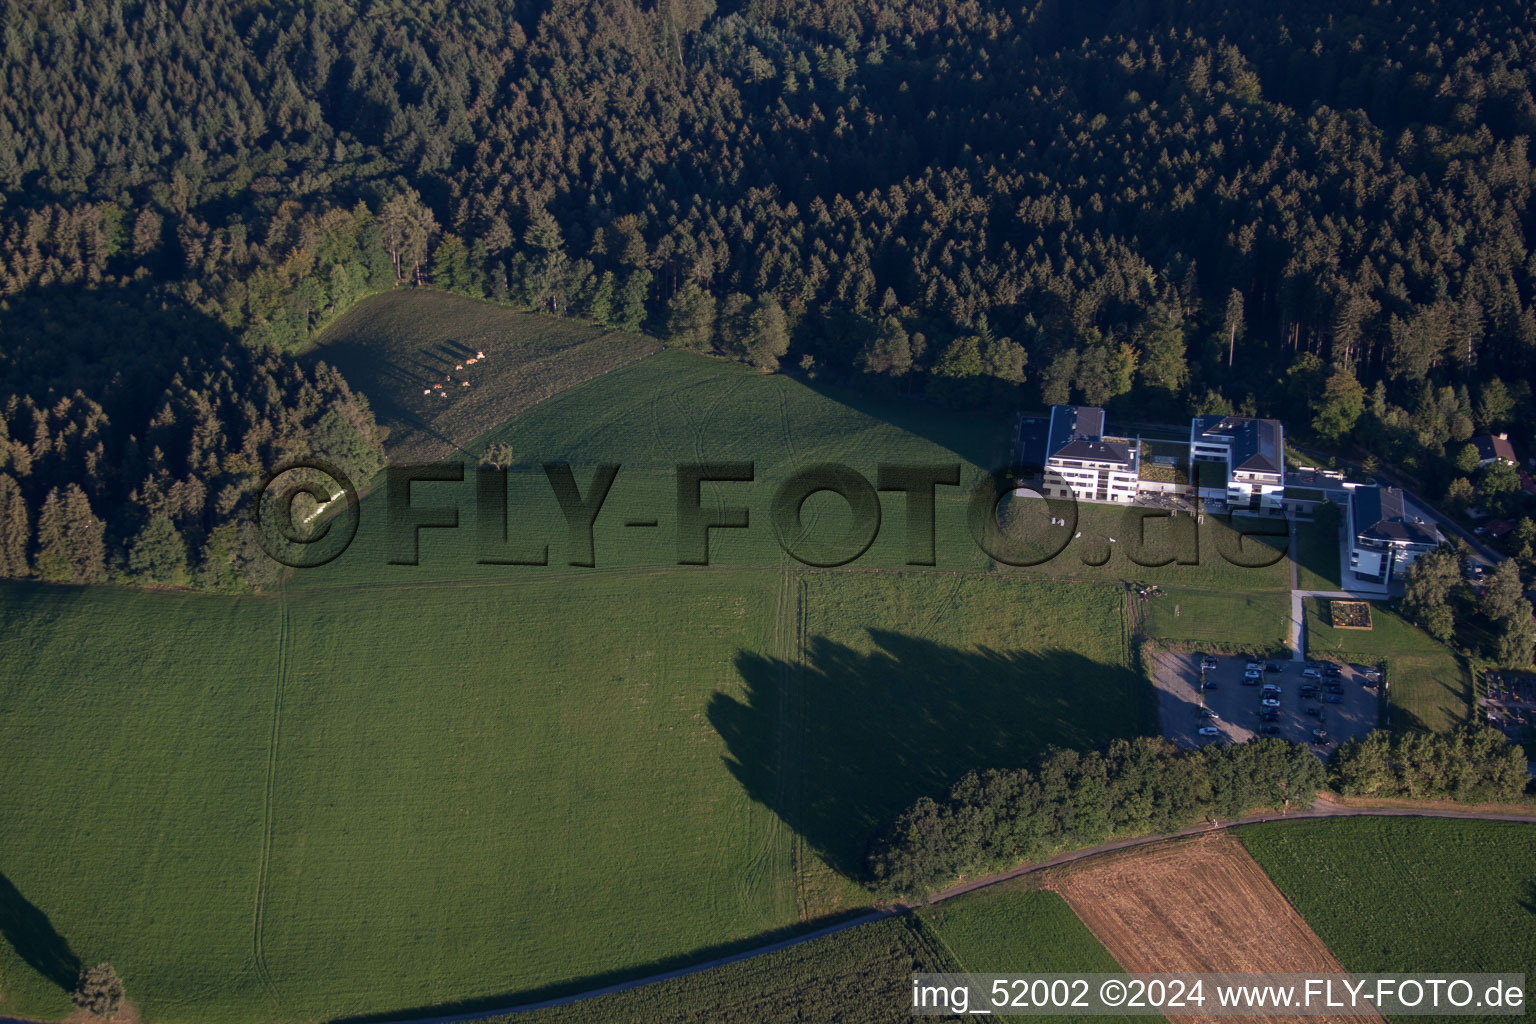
[(1314, 210)]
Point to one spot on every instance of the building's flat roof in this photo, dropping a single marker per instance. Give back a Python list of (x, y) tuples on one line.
[(1257, 445), (1379, 514)]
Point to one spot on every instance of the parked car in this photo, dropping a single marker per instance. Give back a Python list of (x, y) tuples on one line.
[(1207, 663), (1253, 673), (1270, 702), (1206, 713), (1254, 666), (1332, 671), (1270, 730), (1334, 698), (1315, 712), (1312, 673), (1210, 730), (1212, 685), (1308, 690), (1271, 666), (1269, 715)]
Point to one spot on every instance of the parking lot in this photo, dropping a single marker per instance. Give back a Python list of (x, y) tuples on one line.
[(1235, 701)]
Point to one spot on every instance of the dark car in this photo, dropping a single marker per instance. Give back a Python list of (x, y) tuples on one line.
[(1269, 715), (1212, 684), (1334, 698), (1335, 688), (1331, 671), (1315, 712), (1271, 666), (1270, 730)]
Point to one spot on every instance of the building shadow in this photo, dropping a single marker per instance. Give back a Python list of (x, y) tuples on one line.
[(34, 939)]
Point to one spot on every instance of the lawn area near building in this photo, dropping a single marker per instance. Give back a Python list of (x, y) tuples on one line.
[(1317, 556), (1246, 622)]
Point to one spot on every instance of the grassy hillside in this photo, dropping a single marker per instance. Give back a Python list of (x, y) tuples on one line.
[(1404, 894), (530, 780), (395, 346)]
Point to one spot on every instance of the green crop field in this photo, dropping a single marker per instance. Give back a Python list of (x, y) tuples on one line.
[(396, 787), (861, 974), (1016, 930), (395, 346), (1249, 622), (1410, 894), (1428, 687)]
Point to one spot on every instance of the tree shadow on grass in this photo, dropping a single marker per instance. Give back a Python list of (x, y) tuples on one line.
[(32, 935), (840, 744)]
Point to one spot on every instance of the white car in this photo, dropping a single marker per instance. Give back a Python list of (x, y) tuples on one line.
[(1210, 730), (1270, 702), (1254, 666), (1253, 673)]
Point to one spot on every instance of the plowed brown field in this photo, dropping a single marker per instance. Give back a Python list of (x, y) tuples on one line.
[(1199, 905)]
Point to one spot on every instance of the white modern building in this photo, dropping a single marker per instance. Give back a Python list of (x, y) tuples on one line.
[(1081, 462), (1385, 540), (1240, 459)]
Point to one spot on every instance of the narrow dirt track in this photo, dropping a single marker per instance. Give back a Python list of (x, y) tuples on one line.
[(1199, 905)]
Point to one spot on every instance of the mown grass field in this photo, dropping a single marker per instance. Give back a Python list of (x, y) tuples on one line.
[(386, 798), (402, 787), (394, 346), (1405, 894), (1251, 622), (1428, 687)]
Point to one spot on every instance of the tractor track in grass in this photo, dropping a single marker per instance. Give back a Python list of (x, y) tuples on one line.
[(264, 864)]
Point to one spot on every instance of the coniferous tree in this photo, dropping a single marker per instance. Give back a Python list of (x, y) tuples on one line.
[(15, 530)]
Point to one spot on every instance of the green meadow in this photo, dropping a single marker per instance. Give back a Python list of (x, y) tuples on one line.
[(390, 788)]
